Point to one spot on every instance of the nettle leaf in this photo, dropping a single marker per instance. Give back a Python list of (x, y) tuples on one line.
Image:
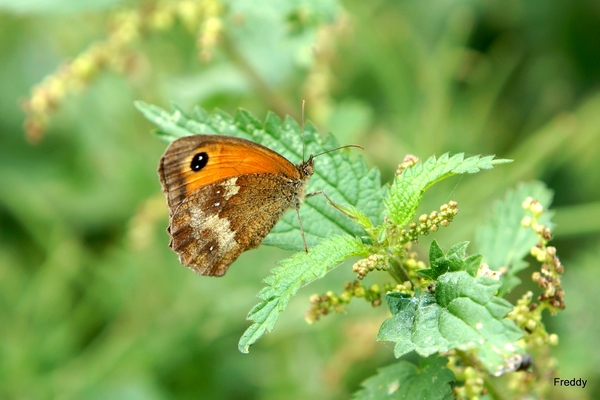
[(462, 314), (407, 190), (292, 274), (454, 260), (404, 380), (503, 241), (346, 180), (174, 125)]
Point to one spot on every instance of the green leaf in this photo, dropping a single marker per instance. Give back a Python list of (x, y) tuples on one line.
[(176, 124), (441, 263), (404, 380), (358, 216), (292, 274), (345, 180), (503, 241), (462, 314), (408, 188)]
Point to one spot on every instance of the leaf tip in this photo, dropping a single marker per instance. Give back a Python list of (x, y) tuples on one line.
[(499, 161)]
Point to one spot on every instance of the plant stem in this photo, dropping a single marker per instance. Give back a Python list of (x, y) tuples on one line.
[(398, 272)]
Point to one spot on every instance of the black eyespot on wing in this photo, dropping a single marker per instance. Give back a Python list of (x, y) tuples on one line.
[(199, 161)]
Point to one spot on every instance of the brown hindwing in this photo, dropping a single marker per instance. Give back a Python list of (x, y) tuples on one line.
[(214, 225)]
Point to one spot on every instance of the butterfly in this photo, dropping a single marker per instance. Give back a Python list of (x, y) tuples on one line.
[(225, 194)]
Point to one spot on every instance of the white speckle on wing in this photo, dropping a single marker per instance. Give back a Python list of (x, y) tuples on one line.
[(219, 226), (231, 188)]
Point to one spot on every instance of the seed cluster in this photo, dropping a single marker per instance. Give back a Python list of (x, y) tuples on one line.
[(473, 386), (411, 263), (485, 270), (431, 222), (373, 262), (324, 304), (408, 162), (549, 275), (404, 287), (115, 53), (528, 317)]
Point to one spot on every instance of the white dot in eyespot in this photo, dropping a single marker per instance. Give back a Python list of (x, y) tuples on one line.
[(211, 248), (218, 191), (217, 204)]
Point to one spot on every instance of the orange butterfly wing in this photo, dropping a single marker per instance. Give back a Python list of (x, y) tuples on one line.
[(228, 157), (224, 196)]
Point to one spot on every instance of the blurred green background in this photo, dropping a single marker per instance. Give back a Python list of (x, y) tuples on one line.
[(94, 305)]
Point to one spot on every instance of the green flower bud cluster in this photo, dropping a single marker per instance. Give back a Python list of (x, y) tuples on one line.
[(408, 162), (485, 270), (473, 386), (404, 287), (549, 275), (203, 17), (431, 222), (525, 385), (373, 262), (411, 263), (527, 315), (324, 304)]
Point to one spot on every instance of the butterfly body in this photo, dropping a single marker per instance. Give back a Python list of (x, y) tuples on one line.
[(224, 196)]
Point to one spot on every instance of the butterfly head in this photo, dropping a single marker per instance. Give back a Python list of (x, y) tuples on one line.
[(307, 168)]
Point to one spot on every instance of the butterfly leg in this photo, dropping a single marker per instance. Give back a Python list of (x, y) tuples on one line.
[(333, 203), (301, 229)]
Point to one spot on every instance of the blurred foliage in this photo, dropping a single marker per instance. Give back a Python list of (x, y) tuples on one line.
[(92, 302)]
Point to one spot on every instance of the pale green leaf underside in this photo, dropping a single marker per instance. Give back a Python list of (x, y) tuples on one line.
[(404, 380), (463, 314), (503, 241), (345, 179), (292, 274), (408, 188)]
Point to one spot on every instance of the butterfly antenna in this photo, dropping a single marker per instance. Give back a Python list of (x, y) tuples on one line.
[(339, 148), (303, 145)]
